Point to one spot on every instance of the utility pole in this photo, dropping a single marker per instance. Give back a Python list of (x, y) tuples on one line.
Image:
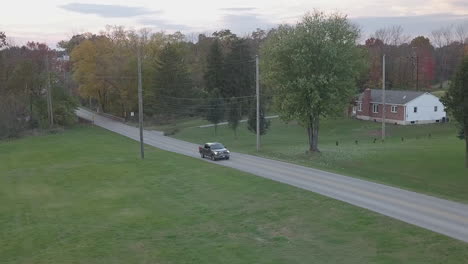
[(140, 104), (50, 111), (415, 62), (258, 100), (383, 97)]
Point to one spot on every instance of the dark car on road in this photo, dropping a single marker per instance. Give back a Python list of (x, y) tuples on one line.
[(214, 151)]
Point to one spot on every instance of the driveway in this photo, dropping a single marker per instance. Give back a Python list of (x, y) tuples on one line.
[(439, 215)]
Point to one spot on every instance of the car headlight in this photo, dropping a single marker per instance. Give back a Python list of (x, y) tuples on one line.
[(216, 152)]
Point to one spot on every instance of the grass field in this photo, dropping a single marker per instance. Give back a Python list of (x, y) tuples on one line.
[(83, 196), (429, 159)]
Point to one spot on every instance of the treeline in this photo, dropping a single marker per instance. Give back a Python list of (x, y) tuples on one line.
[(421, 63), (213, 77), (27, 74), (183, 77)]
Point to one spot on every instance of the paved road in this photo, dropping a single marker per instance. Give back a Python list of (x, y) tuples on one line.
[(442, 216)]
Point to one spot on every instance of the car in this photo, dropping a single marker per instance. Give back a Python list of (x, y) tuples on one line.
[(214, 151)]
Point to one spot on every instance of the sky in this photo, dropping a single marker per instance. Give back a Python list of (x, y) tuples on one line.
[(53, 20)]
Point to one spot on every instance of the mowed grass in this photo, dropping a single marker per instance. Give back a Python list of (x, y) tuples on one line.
[(83, 196), (423, 158)]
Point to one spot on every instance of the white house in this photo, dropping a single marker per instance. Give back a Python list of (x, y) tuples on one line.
[(401, 107)]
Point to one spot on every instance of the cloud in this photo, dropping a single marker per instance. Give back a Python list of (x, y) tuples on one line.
[(245, 22), (238, 9), (460, 3), (162, 24), (107, 10), (413, 25)]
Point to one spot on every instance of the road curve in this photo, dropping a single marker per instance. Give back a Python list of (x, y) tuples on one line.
[(439, 215)]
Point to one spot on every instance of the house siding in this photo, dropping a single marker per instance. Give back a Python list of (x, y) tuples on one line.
[(404, 113), (399, 115), (426, 113)]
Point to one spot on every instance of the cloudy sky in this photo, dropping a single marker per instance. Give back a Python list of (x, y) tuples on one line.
[(53, 20)]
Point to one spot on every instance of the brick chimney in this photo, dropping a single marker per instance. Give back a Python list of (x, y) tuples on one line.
[(366, 105)]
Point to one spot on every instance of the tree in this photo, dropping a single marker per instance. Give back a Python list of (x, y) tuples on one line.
[(234, 114), (391, 35), (214, 75), (252, 121), (456, 101), (215, 113), (23, 78), (2, 39), (375, 51), (425, 64), (462, 33), (75, 40), (239, 73), (104, 68), (313, 67), (90, 59), (171, 80)]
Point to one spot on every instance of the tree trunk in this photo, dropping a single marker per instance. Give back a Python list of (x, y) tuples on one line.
[(313, 132)]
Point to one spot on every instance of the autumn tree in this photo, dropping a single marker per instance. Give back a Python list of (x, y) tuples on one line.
[(104, 68), (313, 67), (89, 61), (425, 65), (375, 51), (23, 77), (456, 101), (75, 40)]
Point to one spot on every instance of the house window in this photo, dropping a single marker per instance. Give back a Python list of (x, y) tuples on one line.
[(394, 108), (375, 108), (359, 108), (415, 109), (435, 108)]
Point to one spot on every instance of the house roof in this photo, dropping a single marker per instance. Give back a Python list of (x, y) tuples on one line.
[(400, 97)]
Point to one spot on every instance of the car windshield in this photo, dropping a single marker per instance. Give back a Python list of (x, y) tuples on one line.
[(217, 146)]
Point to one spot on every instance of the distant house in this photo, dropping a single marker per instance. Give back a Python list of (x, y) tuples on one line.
[(401, 107)]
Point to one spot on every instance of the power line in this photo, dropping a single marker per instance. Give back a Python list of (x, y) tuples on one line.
[(212, 98)]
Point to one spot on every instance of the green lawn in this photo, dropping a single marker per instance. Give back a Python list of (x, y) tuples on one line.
[(173, 127), (83, 196), (430, 158)]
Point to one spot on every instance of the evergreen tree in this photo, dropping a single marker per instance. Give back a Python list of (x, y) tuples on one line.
[(234, 114), (252, 121), (214, 76), (171, 81), (215, 112), (240, 80), (240, 72), (456, 101)]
